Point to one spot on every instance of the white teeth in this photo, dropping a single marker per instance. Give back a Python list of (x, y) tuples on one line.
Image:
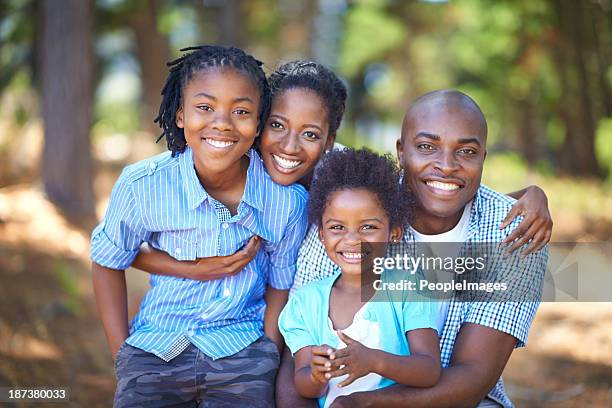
[(219, 143), (352, 255), (286, 164), (443, 186)]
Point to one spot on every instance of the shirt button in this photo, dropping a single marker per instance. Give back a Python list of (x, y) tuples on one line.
[(177, 251), (225, 225), (152, 167), (226, 292)]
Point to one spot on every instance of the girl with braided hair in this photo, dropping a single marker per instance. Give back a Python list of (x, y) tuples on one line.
[(201, 342)]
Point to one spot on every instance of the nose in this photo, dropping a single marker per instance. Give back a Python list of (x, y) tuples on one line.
[(290, 143), (447, 162), (222, 121), (352, 238)]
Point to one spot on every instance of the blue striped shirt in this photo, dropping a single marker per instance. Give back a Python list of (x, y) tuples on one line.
[(161, 201), (514, 318)]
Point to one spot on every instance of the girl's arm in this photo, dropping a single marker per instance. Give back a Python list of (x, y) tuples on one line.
[(276, 299), (203, 269), (311, 365), (537, 223), (420, 369), (111, 299)]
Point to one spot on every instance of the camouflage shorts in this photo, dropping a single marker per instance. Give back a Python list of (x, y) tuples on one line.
[(192, 379)]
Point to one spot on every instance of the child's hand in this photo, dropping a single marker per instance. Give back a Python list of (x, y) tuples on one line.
[(320, 363), (355, 359), (536, 227), (218, 267)]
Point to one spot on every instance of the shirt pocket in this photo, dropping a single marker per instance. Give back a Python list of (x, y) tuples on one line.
[(181, 245)]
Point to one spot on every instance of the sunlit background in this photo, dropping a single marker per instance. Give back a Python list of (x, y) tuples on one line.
[(80, 84)]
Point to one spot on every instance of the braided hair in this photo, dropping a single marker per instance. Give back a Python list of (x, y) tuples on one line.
[(182, 69), (316, 77)]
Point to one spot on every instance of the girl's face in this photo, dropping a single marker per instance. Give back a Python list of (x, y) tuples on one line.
[(351, 221), (295, 136), (219, 116)]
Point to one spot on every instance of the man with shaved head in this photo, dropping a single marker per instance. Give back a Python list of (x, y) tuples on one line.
[(442, 151)]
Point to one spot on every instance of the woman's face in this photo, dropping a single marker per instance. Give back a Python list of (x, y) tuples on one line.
[(295, 136)]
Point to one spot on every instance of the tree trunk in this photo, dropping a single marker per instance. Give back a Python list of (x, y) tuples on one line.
[(153, 53), (231, 24), (577, 98), (67, 84)]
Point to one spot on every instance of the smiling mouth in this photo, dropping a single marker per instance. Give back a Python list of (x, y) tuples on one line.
[(219, 144), (285, 163), (438, 185)]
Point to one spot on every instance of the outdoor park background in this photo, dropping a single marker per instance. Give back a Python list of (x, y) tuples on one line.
[(79, 87)]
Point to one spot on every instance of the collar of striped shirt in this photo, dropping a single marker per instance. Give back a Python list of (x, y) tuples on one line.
[(196, 193)]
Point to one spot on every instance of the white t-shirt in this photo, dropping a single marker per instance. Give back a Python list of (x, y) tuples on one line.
[(457, 234), (366, 332)]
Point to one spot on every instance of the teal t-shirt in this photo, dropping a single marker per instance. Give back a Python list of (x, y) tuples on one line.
[(305, 319)]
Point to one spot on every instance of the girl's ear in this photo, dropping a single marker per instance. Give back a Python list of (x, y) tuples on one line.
[(321, 235), (179, 118), (396, 234)]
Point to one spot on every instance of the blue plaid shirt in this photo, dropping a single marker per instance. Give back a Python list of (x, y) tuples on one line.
[(161, 201), (488, 210)]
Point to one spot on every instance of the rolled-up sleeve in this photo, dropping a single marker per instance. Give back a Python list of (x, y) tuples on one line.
[(116, 240)]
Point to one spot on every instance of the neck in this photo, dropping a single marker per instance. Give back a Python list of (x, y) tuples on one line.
[(305, 181), (214, 180), (429, 224), (358, 284)]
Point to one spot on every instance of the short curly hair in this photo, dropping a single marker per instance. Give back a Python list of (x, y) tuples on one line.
[(349, 169)]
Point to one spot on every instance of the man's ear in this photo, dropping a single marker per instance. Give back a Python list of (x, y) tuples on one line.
[(396, 234), (400, 152), (179, 118), (485, 155)]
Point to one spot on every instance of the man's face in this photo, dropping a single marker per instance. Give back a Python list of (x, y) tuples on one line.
[(442, 151)]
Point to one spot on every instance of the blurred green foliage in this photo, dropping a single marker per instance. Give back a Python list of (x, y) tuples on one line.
[(531, 71)]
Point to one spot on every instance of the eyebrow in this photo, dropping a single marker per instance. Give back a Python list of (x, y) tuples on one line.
[(366, 220), (240, 99), (287, 120), (466, 140), (470, 140), (428, 135)]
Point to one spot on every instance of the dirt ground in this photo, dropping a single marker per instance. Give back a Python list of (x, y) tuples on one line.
[(50, 334)]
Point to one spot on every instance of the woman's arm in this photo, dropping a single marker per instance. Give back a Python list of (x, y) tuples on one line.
[(420, 369), (537, 222), (311, 365), (204, 269)]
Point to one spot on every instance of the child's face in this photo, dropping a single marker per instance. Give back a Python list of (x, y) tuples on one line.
[(351, 220), (219, 116), (295, 136)]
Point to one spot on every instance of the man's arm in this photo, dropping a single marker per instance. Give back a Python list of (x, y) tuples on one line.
[(111, 299), (479, 357), (286, 394)]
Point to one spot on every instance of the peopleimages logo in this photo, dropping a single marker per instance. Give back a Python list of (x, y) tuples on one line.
[(409, 263)]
